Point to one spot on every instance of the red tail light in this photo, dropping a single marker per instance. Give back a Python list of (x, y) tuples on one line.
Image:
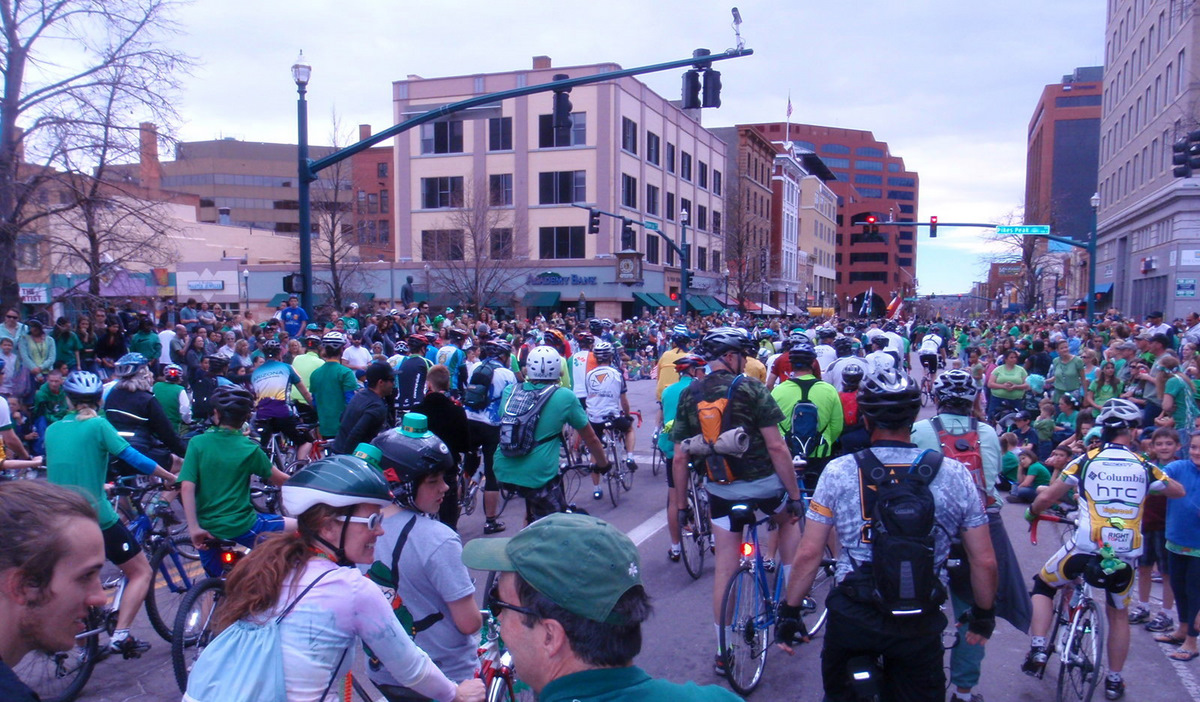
[(748, 550)]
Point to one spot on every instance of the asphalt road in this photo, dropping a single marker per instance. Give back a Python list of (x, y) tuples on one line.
[(679, 641)]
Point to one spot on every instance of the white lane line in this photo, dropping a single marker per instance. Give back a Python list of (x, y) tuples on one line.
[(1185, 675), (642, 532)]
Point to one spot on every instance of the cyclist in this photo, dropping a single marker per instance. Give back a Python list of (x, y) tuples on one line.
[(411, 372), (580, 364), (78, 450), (843, 347), (689, 367), (557, 340), (680, 340), (909, 645), (215, 480), (483, 431), (173, 397), (607, 402), (805, 388), (1111, 484), (536, 474), (880, 358), (452, 356), (418, 560), (336, 502), (49, 574), (331, 385), (826, 353), (763, 477), (368, 412), (931, 353), (136, 415), (567, 646), (305, 364), (272, 383)]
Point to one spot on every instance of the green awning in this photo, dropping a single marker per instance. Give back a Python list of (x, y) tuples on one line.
[(703, 304), (646, 300), (664, 300), (541, 299), (279, 299)]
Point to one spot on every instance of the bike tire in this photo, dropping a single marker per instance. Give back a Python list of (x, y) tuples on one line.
[(814, 611), (692, 542), (1081, 662), (659, 459), (171, 576), (613, 481), (624, 475), (60, 677), (467, 497), (193, 626), (746, 619)]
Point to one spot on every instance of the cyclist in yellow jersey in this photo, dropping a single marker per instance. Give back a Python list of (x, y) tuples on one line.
[(667, 375), (1111, 484)]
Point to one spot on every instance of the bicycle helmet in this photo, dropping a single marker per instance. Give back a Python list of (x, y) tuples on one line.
[(889, 398), (129, 364), (595, 326), (431, 337), (852, 377), (409, 454), (843, 346), (312, 343), (680, 335), (543, 363), (83, 386), (217, 364), (334, 339), (234, 402), (603, 351), (455, 334), (556, 339), (955, 386), (584, 337), (401, 348), (172, 373), (722, 340), (802, 354), (270, 348), (826, 333), (496, 348), (337, 481), (1119, 413), (766, 334), (688, 362), (797, 335)]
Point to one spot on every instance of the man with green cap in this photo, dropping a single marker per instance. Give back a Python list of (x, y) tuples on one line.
[(571, 604)]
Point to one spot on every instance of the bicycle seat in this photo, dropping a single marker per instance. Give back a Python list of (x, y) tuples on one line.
[(222, 544), (740, 516)]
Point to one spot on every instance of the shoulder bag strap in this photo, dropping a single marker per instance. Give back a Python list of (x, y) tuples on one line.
[(303, 592), (426, 622), (727, 415)]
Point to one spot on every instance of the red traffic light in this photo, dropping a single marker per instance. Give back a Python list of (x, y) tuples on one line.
[(871, 219), (674, 296)]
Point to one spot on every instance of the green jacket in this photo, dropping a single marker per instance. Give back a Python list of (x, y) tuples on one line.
[(146, 343)]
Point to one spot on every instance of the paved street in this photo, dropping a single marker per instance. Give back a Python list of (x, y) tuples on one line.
[(680, 639)]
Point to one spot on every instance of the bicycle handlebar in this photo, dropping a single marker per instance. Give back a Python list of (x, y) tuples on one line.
[(1044, 517)]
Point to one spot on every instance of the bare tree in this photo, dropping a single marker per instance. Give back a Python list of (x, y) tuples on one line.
[(745, 240), (118, 51), (479, 258), (1033, 258), (336, 244)]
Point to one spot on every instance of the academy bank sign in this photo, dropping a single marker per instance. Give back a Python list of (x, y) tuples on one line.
[(548, 278)]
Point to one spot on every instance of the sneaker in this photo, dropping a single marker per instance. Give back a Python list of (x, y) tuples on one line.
[(975, 697), (1114, 689), (1138, 615), (1156, 577), (128, 647), (769, 565), (493, 526), (1160, 622), (598, 494), (674, 554), (1035, 661), (631, 464), (722, 662)]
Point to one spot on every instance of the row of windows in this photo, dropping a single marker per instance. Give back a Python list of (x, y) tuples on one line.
[(1145, 108), (1153, 160), (451, 245), (372, 231), (1158, 32), (699, 219), (372, 203), (259, 181), (249, 203), (869, 151)]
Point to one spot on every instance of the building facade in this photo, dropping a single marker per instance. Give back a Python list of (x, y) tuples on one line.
[(373, 217), (749, 163), (1149, 221)]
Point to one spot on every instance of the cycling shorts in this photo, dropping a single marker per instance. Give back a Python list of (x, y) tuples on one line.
[(930, 362), (720, 508), (119, 545), (621, 424), (288, 426), (1068, 563)]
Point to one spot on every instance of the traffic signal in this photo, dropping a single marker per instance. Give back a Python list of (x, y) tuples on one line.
[(685, 280), (933, 227), (593, 220), (1186, 155), (628, 237), (712, 88), (560, 117), (691, 90), (871, 226), (293, 283)]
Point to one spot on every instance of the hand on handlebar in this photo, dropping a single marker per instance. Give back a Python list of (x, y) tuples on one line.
[(200, 538)]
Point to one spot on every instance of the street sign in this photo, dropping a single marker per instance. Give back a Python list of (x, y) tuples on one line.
[(652, 226), (1024, 229)]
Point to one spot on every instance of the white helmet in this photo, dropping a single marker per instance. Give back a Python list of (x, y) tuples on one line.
[(1118, 413), (543, 363)]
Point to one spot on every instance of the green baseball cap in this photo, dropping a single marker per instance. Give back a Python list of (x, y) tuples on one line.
[(581, 563)]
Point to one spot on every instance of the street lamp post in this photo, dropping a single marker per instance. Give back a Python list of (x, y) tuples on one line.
[(684, 263), (246, 289), (1091, 252), (301, 72), (787, 299)]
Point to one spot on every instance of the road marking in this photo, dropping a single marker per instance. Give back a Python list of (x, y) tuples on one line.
[(1185, 675), (642, 532)]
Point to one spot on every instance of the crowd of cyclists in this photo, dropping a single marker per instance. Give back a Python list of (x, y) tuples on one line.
[(371, 424)]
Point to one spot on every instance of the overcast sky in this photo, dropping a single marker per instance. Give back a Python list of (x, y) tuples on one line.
[(950, 85)]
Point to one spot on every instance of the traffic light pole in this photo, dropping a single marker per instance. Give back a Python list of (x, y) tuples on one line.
[(681, 249)]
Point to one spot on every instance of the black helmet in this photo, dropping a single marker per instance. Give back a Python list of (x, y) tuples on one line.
[(889, 398), (843, 346), (83, 386), (410, 454), (722, 340), (688, 361), (234, 402), (802, 354), (270, 348), (456, 334), (595, 326), (496, 348), (826, 333), (852, 376), (217, 364)]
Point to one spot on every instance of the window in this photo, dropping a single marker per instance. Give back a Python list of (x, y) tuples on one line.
[(29, 252), (868, 165), (716, 182), (384, 204), (548, 138), (561, 242), (838, 163), (703, 174), (629, 134), (381, 170), (906, 248), (902, 182), (385, 230), (373, 203), (362, 201), (670, 255), (702, 218), (868, 179), (500, 134), (685, 210), (651, 199), (372, 231), (442, 245), (562, 187), (651, 246), (716, 266), (442, 137), (685, 166), (893, 168), (500, 189), (868, 276), (671, 206), (702, 258), (652, 147), (629, 191), (835, 149), (716, 222), (904, 262), (869, 257), (441, 192), (670, 157), (899, 195), (502, 243), (870, 192), (869, 151)]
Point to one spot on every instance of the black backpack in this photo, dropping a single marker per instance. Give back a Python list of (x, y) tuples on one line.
[(519, 421), (900, 531), (478, 393)]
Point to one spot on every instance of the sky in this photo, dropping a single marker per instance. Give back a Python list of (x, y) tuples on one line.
[(950, 85)]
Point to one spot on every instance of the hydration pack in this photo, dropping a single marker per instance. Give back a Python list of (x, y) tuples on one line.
[(965, 449), (519, 420), (804, 438), (478, 393)]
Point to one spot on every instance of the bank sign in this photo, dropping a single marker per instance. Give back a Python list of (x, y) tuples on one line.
[(549, 278)]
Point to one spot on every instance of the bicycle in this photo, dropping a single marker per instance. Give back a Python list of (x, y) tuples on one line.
[(496, 668), (696, 531), (750, 607), (619, 475), (658, 459), (1080, 646), (468, 489), (193, 629), (927, 394)]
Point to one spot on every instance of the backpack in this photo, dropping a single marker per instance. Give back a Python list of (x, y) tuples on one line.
[(519, 421), (900, 529), (965, 448), (850, 418), (805, 439), (478, 393), (715, 421)]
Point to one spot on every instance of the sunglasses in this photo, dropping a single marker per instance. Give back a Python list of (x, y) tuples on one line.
[(372, 521), (11, 316), (496, 605)]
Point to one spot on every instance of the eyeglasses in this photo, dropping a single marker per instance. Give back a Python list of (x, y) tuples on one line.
[(372, 521), (11, 316), (496, 605)]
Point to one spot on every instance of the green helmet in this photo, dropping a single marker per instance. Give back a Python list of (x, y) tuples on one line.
[(337, 481)]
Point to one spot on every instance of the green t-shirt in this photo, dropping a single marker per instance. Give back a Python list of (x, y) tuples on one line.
[(1009, 465), (51, 405), (77, 454), (629, 683), (1185, 407), (753, 408), (1044, 428), (830, 419), (1106, 392), (1066, 375), (65, 348), (219, 463), (304, 365), (1067, 421), (1040, 473), (1002, 374), (167, 395), (540, 465), (328, 387), (670, 403)]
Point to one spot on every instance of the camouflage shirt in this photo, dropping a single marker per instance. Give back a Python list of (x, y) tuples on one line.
[(752, 407)]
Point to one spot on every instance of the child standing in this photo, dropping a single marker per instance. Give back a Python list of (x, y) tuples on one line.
[(1164, 444)]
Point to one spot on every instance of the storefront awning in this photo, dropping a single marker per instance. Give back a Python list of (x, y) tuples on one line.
[(541, 298), (663, 299), (646, 300), (704, 304), (1104, 288)]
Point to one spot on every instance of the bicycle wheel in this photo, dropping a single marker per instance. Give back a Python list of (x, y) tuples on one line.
[(466, 492), (171, 576), (624, 476), (692, 543), (746, 618), (813, 610), (658, 459), (613, 479), (193, 626), (60, 677), (1081, 666), (926, 394)]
